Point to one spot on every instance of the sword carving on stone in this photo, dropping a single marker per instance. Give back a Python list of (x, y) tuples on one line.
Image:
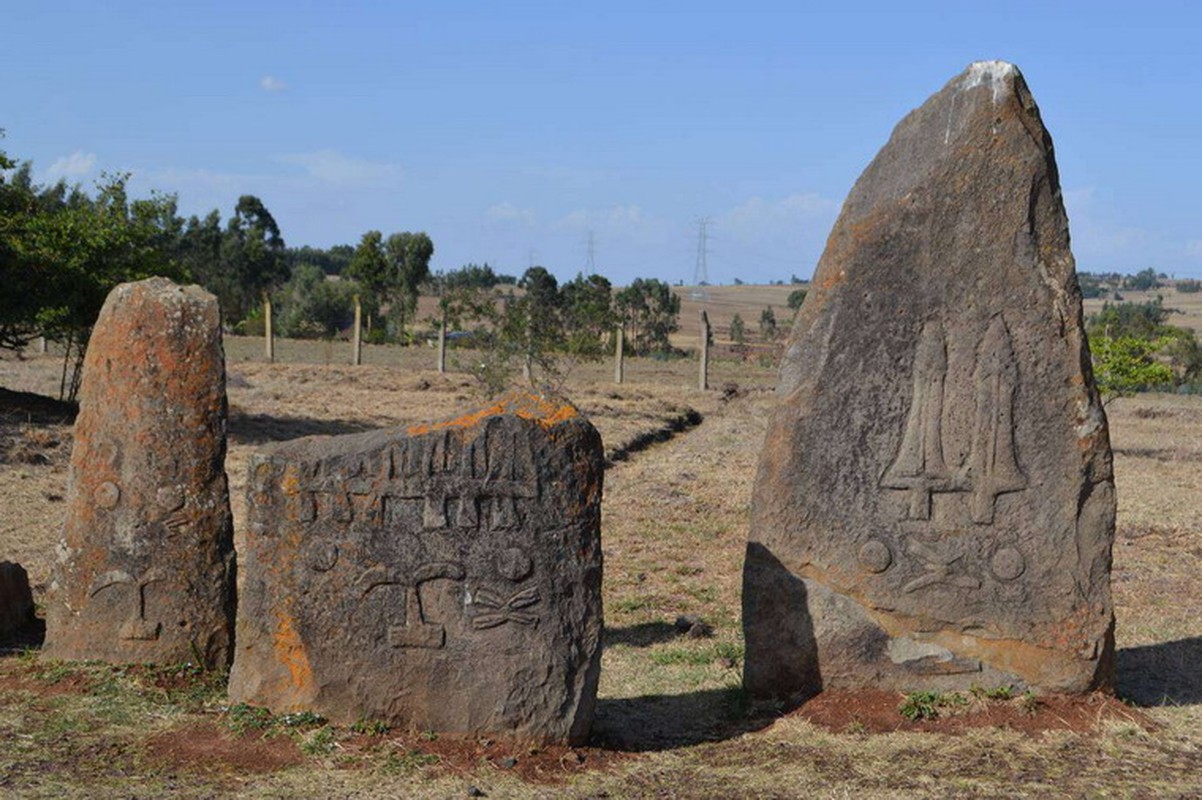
[(919, 467), (992, 462)]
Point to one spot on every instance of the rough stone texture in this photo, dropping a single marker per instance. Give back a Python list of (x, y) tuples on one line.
[(145, 569), (16, 600), (446, 577), (934, 505)]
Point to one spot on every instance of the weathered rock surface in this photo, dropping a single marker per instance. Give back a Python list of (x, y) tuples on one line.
[(145, 569), (934, 505), (16, 599), (446, 577)]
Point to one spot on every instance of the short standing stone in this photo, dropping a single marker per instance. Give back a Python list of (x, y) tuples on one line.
[(443, 578), (934, 506), (145, 569), (16, 600)]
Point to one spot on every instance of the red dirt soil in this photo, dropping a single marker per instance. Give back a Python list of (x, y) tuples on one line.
[(208, 747), (458, 755), (876, 711)]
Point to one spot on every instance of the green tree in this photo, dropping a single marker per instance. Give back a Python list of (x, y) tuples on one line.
[(252, 259), (796, 298), (408, 256), (369, 269), (313, 306), (1143, 280), (768, 329), (62, 251), (1125, 365), (738, 330), (588, 315), (649, 310)]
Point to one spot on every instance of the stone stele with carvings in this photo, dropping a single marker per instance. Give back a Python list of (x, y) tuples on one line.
[(446, 577), (934, 506), (145, 568)]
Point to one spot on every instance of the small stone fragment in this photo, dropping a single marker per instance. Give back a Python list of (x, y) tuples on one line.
[(694, 626), (16, 599), (145, 568), (446, 577), (934, 506)]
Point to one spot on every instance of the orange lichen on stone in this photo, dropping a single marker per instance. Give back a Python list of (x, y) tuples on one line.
[(290, 651), (545, 412)]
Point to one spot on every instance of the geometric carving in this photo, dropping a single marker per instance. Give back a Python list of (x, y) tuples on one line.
[(501, 610), (1007, 563), (136, 627), (107, 494), (414, 630), (875, 555), (940, 561)]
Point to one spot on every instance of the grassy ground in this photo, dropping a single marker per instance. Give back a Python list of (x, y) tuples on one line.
[(671, 719)]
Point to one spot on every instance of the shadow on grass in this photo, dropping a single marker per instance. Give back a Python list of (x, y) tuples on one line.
[(263, 428), (667, 721), (644, 634), (1164, 674)]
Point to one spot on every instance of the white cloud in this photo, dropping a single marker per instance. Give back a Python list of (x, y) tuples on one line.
[(625, 215), (508, 212), (756, 215), (616, 218), (332, 167), (72, 167), (270, 83)]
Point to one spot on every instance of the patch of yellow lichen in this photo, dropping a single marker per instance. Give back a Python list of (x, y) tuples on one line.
[(545, 412)]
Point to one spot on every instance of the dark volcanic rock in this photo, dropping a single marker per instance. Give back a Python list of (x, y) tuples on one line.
[(934, 505), (16, 599), (145, 568), (443, 578)]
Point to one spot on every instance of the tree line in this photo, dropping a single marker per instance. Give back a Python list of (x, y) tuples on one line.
[(63, 249)]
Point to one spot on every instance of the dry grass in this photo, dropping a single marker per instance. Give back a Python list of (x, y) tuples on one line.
[(675, 518)]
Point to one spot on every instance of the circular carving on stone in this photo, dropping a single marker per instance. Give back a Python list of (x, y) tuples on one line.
[(1007, 563), (169, 498), (324, 558), (107, 494), (514, 564), (875, 555)]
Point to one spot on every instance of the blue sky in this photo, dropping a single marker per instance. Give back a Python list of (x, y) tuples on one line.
[(510, 131)]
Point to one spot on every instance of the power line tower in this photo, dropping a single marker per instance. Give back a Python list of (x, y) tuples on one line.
[(701, 271), (591, 266)]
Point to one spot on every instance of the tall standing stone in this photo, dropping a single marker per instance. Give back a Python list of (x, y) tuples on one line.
[(145, 569), (446, 577), (934, 506)]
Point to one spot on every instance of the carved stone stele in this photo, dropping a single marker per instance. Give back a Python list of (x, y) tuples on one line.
[(446, 577), (934, 506), (145, 568)]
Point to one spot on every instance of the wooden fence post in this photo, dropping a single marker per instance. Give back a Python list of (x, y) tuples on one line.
[(703, 380), (357, 334), (620, 354), (269, 341), (442, 343)]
